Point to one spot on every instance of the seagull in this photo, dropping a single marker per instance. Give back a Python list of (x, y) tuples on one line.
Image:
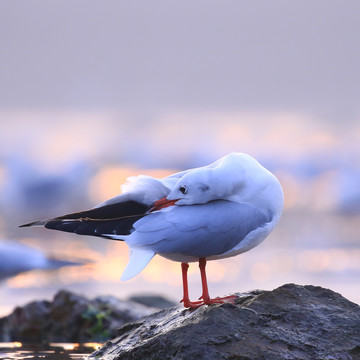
[(17, 258), (206, 213)]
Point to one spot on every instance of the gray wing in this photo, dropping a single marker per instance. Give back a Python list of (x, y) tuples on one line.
[(197, 230)]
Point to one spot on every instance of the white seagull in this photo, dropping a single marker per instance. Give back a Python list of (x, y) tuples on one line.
[(207, 213)]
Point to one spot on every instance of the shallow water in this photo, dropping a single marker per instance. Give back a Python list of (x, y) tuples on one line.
[(52, 351)]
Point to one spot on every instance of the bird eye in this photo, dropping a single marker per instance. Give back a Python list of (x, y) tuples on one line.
[(183, 189)]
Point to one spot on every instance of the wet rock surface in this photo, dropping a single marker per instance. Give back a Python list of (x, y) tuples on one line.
[(290, 322), (70, 318)]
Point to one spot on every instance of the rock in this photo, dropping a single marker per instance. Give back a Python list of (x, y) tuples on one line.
[(290, 322), (155, 301), (70, 318)]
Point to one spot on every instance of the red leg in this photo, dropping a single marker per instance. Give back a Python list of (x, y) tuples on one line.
[(186, 300), (205, 294), (205, 291)]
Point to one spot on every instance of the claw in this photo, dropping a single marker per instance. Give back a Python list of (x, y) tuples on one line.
[(192, 304), (221, 300), (196, 304)]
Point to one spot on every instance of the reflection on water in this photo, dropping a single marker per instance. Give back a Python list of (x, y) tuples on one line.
[(52, 351)]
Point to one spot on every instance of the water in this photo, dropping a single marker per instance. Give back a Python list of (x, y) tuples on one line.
[(52, 351)]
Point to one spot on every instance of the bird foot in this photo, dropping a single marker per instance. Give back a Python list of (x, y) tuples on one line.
[(192, 304), (220, 300), (207, 301), (230, 298)]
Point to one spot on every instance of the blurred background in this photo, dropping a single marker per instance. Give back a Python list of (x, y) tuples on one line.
[(93, 92)]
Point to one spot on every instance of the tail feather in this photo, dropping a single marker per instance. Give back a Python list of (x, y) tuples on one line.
[(35, 223), (107, 212), (138, 260), (114, 219), (95, 227)]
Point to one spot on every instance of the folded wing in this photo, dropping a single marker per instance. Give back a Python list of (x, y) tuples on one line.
[(198, 230)]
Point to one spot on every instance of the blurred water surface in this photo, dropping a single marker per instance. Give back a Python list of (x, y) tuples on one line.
[(55, 351)]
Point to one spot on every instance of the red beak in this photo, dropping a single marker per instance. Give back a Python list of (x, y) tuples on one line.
[(162, 203)]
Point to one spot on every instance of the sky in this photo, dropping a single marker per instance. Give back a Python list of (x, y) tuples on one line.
[(146, 57)]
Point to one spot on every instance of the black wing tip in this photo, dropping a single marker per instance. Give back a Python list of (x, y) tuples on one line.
[(117, 218), (34, 223)]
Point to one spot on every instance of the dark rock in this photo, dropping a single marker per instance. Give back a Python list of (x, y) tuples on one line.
[(155, 301), (290, 322), (70, 318)]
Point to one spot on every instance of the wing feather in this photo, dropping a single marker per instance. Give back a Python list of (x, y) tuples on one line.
[(197, 230), (115, 216)]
